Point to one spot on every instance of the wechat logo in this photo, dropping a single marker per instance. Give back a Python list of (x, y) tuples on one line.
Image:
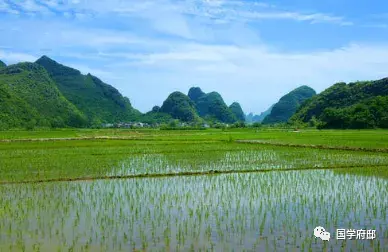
[(320, 232)]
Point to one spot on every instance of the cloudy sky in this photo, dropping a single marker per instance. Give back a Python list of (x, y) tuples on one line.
[(250, 51)]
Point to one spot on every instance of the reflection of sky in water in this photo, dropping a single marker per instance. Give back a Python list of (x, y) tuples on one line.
[(254, 211), (243, 160)]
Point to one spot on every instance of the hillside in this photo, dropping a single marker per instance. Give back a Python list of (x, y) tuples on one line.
[(99, 101), (353, 105), (29, 97), (237, 111), (211, 106), (179, 106), (195, 93), (156, 117), (288, 105), (2, 64), (14, 112)]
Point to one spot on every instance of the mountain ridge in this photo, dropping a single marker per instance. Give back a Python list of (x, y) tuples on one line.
[(99, 101), (27, 86), (288, 104), (362, 104), (211, 106)]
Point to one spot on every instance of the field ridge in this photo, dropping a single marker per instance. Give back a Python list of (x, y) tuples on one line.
[(181, 174), (314, 146)]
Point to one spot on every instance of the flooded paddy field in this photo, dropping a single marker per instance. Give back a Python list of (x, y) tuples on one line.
[(239, 197)]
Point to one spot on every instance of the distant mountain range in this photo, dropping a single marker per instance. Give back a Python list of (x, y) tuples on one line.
[(48, 94), (197, 106), (251, 118)]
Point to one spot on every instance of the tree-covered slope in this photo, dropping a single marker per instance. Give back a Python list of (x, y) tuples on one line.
[(195, 93), (29, 97), (2, 64), (155, 116), (179, 106), (211, 106), (14, 111), (237, 111), (288, 105), (99, 101), (353, 105)]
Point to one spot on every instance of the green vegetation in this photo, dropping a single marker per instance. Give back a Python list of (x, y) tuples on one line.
[(154, 118), (370, 139), (212, 213), (179, 106), (356, 105), (47, 94), (212, 107), (195, 93), (195, 151), (2, 64), (237, 111), (288, 105), (227, 188), (29, 98), (258, 197), (100, 102)]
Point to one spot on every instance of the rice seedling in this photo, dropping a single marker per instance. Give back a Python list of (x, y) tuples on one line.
[(186, 212), (234, 205)]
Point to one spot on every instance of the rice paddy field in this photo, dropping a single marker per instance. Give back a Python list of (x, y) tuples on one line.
[(205, 190)]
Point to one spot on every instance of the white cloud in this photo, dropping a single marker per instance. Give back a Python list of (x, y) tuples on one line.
[(254, 76), (129, 44), (32, 7), (254, 11), (6, 8), (15, 57)]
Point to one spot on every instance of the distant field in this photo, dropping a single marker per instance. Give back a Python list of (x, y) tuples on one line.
[(353, 138), (239, 195)]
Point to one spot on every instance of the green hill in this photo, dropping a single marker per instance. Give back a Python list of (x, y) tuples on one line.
[(179, 106), (195, 93), (288, 105), (237, 111), (29, 97), (354, 105), (211, 106), (14, 111), (2, 64), (155, 116), (99, 101)]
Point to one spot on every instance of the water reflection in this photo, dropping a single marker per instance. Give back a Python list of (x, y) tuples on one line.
[(256, 211)]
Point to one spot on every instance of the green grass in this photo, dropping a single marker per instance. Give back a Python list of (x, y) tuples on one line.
[(351, 138), (31, 161)]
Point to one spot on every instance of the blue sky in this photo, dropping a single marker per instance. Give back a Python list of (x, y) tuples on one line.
[(250, 51)]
